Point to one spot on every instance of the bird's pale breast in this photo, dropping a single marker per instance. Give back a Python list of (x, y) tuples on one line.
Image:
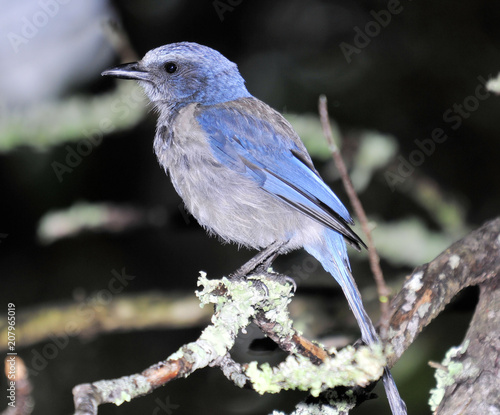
[(223, 201)]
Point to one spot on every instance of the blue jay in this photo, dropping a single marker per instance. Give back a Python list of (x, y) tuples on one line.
[(242, 170)]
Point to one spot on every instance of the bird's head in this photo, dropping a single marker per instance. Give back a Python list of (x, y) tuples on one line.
[(184, 73)]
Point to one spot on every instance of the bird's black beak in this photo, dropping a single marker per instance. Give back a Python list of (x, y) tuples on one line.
[(128, 71)]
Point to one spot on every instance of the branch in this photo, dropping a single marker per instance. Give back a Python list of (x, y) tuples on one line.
[(468, 379), (262, 299), (471, 372), (93, 315), (374, 259), (473, 260)]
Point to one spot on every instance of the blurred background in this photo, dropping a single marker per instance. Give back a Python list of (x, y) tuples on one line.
[(88, 218)]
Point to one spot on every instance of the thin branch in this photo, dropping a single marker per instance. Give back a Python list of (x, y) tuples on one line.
[(96, 314), (294, 342), (87, 397), (382, 289)]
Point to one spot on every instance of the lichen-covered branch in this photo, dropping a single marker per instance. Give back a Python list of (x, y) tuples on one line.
[(349, 367), (473, 260), (93, 315), (237, 304), (470, 373), (76, 117), (263, 299), (332, 403), (213, 344), (468, 380)]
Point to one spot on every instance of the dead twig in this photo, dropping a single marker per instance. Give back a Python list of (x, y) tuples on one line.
[(382, 289)]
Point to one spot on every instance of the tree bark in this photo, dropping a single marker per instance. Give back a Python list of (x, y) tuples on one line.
[(470, 380)]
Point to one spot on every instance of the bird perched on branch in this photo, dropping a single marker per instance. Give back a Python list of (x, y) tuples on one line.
[(242, 170)]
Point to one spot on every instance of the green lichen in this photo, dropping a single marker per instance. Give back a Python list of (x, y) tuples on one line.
[(236, 303), (124, 389), (124, 397), (447, 375), (349, 367)]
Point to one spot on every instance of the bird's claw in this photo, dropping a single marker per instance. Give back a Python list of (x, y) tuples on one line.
[(272, 276)]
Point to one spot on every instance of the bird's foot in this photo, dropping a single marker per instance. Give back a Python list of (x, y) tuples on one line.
[(280, 279), (260, 265), (268, 275)]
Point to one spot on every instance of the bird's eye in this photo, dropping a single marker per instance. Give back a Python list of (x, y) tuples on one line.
[(170, 67)]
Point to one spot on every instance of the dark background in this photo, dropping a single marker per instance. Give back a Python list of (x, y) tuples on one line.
[(402, 82)]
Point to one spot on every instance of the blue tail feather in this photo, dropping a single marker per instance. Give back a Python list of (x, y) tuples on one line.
[(331, 253), (333, 256)]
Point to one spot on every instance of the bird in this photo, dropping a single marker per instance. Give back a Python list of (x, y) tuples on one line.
[(242, 170)]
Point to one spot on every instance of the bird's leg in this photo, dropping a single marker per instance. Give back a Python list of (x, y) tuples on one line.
[(261, 262)]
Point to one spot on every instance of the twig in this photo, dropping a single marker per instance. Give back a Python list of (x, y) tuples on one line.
[(87, 397), (382, 289), (91, 315), (293, 343), (436, 365), (113, 29)]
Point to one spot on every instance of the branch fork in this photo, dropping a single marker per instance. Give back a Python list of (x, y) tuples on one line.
[(263, 300)]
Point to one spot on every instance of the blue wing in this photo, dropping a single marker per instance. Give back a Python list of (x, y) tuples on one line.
[(249, 137)]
